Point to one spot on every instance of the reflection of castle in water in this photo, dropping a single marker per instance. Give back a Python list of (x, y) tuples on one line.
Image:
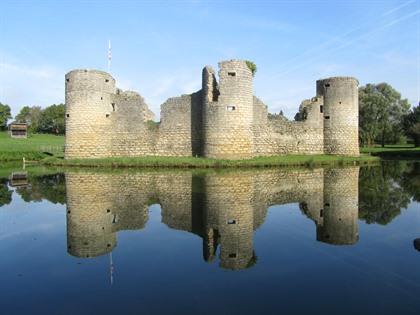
[(224, 209)]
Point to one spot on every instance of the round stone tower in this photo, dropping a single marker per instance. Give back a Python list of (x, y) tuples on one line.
[(88, 109), (341, 115), (228, 111)]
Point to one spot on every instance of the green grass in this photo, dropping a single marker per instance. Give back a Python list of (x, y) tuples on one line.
[(192, 162), (35, 147), (393, 151)]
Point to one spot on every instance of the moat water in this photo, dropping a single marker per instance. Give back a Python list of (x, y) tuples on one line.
[(299, 241)]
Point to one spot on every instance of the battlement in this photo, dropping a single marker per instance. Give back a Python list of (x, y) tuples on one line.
[(222, 120)]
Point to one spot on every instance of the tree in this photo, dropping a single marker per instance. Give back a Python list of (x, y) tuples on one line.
[(31, 116), (381, 111), (52, 120), (411, 125), (5, 115), (252, 66)]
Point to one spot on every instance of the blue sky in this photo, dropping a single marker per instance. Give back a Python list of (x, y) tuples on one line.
[(160, 47)]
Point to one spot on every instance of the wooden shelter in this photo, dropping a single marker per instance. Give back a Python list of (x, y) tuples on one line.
[(18, 130)]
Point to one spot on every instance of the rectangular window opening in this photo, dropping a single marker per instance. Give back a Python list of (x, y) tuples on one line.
[(327, 117), (321, 213), (106, 80), (68, 80), (231, 221), (113, 107), (232, 74), (107, 115), (233, 255), (327, 85), (230, 108), (321, 109), (68, 115)]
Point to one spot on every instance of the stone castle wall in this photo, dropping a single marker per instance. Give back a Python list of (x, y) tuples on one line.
[(222, 120)]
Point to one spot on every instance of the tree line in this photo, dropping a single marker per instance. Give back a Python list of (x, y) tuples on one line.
[(384, 117), (40, 120)]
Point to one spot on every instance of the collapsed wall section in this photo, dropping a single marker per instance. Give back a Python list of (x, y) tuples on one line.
[(276, 135), (180, 127), (132, 133)]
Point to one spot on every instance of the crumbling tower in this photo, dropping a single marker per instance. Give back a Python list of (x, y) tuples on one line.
[(341, 115), (228, 111), (88, 108)]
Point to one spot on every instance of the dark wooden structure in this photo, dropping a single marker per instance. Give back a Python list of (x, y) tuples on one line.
[(18, 130)]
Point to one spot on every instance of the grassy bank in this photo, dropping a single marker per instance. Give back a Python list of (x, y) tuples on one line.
[(393, 151), (191, 162), (35, 147)]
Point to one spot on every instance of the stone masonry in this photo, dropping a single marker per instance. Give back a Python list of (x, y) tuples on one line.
[(223, 120)]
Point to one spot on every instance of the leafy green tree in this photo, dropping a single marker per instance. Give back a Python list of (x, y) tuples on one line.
[(31, 116), (5, 115), (412, 125), (381, 112), (52, 120)]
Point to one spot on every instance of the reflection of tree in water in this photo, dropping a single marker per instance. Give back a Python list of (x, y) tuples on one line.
[(5, 192), (410, 181), (381, 198), (46, 187)]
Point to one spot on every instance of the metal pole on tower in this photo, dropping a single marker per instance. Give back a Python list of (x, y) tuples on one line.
[(109, 56)]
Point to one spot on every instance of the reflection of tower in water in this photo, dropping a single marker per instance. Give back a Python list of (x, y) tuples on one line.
[(229, 219), (89, 216), (222, 208), (340, 213)]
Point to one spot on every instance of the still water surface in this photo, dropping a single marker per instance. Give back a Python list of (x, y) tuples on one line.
[(305, 241)]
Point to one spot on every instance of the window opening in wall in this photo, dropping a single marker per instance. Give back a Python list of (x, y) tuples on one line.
[(321, 109), (68, 115), (327, 117), (327, 204), (107, 115), (113, 107), (232, 74), (339, 102), (327, 85), (68, 80), (106, 80), (231, 221), (230, 108), (233, 255), (321, 213), (102, 98)]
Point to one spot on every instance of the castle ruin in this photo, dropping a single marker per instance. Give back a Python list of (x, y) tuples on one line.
[(223, 120)]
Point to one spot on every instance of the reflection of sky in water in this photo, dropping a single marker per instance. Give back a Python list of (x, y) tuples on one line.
[(159, 269)]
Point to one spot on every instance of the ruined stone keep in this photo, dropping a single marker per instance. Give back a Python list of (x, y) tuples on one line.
[(223, 120)]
